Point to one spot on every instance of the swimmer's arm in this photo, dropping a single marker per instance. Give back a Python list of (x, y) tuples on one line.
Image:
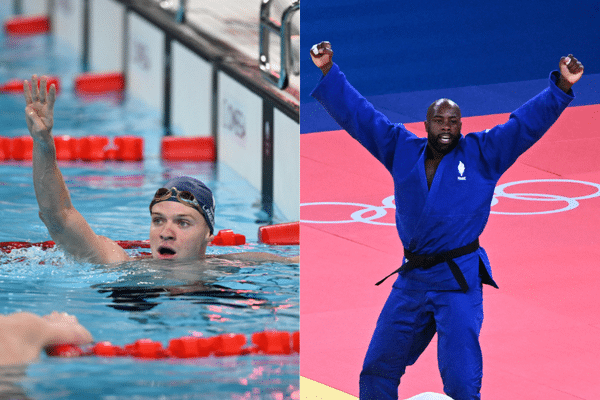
[(66, 225), (23, 335), (260, 257)]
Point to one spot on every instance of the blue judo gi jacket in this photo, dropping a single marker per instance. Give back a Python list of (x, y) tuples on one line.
[(454, 212)]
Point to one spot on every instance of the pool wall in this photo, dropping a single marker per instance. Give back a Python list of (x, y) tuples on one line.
[(200, 86)]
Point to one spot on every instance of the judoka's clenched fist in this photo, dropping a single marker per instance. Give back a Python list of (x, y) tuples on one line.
[(322, 56), (570, 72)]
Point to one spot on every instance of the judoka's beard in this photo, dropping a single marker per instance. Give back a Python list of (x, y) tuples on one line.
[(442, 147)]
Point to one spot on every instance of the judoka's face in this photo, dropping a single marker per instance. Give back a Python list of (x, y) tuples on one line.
[(443, 126)]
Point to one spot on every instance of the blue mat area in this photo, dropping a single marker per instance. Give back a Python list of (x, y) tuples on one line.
[(416, 50)]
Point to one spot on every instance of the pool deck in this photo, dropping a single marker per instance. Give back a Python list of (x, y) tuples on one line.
[(237, 24)]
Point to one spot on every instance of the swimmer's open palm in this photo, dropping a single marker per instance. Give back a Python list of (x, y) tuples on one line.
[(39, 109)]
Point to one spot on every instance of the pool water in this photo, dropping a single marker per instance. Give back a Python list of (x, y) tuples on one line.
[(134, 300)]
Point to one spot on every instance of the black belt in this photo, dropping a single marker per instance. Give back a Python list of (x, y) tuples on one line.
[(428, 261)]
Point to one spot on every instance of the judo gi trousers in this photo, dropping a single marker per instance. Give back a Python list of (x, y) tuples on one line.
[(405, 327)]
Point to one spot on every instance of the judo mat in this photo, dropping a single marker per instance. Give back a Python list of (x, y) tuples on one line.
[(541, 328)]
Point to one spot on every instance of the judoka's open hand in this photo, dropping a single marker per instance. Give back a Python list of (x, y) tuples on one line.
[(322, 56), (570, 72), (39, 110)]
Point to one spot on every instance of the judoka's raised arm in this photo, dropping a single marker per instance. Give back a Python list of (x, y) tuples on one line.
[(504, 143), (354, 112)]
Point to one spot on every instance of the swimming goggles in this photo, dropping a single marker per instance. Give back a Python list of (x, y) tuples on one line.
[(182, 196)]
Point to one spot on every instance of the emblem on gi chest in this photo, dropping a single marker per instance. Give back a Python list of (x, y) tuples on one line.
[(461, 171)]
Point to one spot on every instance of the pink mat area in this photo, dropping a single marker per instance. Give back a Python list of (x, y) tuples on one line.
[(541, 331)]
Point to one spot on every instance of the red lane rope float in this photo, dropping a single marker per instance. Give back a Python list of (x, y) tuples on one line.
[(188, 148), (21, 148), (22, 26), (280, 234), (99, 148), (98, 83), (129, 148), (227, 237), (16, 85), (67, 148), (224, 237), (7, 247), (229, 344), (89, 148), (5, 150)]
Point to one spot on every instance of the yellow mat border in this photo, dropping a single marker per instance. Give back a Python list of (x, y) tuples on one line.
[(313, 390)]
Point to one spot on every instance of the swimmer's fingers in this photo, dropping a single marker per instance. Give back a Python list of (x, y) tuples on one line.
[(51, 96), (35, 90), (43, 88), (63, 328), (27, 92), (47, 94), (55, 315)]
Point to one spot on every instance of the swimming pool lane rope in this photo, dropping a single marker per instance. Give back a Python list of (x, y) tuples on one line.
[(276, 234), (265, 343)]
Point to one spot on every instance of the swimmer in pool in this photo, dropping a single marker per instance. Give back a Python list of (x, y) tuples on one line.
[(23, 335), (182, 212)]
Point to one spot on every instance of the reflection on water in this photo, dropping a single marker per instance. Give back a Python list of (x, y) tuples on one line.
[(143, 283), (11, 379)]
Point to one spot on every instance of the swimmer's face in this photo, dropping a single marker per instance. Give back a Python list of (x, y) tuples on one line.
[(443, 126), (178, 232)]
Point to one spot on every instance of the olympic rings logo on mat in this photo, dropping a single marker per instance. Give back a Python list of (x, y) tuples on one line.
[(357, 216), (370, 214), (570, 202)]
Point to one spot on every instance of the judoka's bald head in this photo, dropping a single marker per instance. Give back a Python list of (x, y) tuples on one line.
[(435, 106), (443, 127)]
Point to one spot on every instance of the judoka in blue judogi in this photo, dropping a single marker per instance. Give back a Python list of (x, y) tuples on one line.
[(443, 188)]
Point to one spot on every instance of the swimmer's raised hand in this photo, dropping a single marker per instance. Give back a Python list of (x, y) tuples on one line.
[(322, 56), (39, 109)]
